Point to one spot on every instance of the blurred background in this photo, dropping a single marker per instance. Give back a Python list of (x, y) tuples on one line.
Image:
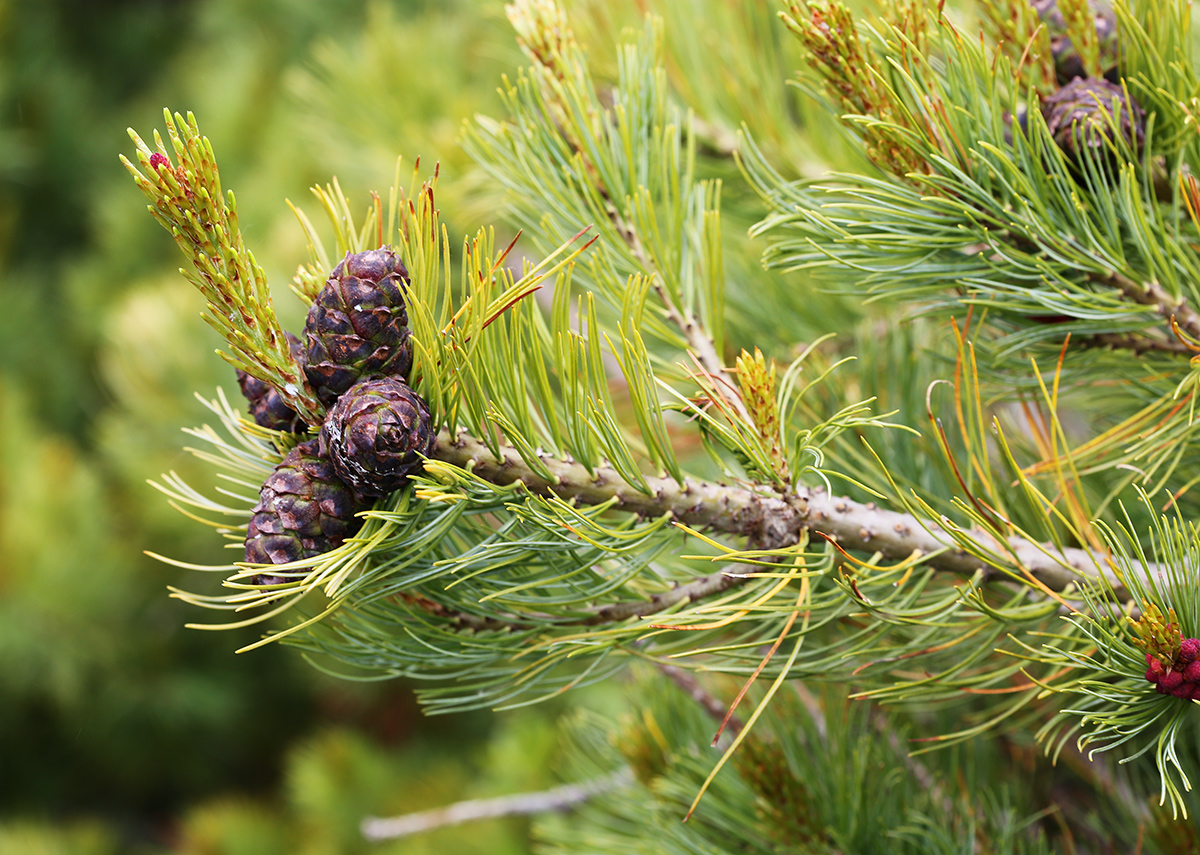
[(121, 731)]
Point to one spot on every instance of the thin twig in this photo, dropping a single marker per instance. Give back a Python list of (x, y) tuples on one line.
[(812, 705), (715, 137), (558, 799), (919, 771), (1145, 294), (698, 589), (707, 701)]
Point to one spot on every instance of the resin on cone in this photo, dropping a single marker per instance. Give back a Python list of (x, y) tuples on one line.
[(375, 435), (357, 327), (304, 510)]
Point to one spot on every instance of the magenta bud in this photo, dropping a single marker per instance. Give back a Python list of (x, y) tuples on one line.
[(1189, 650), (1192, 672), (158, 160), (1183, 690), (1170, 680), (1156, 669)]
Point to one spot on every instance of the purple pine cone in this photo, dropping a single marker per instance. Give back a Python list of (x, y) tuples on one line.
[(1156, 670), (1169, 682), (357, 327), (304, 510), (1078, 115), (375, 435)]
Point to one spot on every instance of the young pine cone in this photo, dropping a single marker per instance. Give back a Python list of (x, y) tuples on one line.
[(267, 406), (1067, 63), (1179, 677), (304, 510), (357, 327), (1082, 115), (375, 433)]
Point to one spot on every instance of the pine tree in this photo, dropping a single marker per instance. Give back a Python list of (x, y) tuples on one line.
[(904, 515)]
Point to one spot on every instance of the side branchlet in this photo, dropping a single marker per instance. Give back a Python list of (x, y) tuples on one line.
[(910, 20), (1081, 30), (846, 64), (556, 61), (1019, 34), (186, 199), (757, 382)]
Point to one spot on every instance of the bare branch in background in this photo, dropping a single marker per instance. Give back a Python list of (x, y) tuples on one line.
[(559, 799)]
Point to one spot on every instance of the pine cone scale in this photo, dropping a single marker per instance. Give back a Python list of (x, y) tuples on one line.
[(357, 328), (1083, 114), (375, 435), (304, 510)]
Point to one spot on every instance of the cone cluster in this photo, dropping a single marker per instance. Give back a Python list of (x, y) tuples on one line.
[(1084, 112), (357, 356), (1180, 676)]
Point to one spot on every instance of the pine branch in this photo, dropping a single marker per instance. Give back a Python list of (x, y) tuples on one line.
[(1153, 294), (701, 346), (584, 137), (1139, 344), (772, 520), (563, 798), (699, 342)]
